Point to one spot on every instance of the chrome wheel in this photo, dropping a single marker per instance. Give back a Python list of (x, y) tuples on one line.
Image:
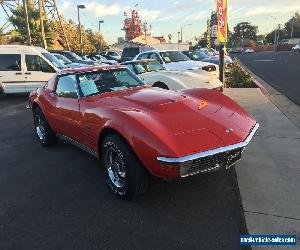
[(39, 127), (115, 164)]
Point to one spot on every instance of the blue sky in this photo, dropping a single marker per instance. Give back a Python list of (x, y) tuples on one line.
[(167, 16)]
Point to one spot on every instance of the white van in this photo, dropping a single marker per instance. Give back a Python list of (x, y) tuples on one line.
[(25, 68)]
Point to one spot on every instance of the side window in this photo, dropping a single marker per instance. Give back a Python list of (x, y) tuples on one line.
[(66, 87), (155, 57), (143, 56), (36, 63), (10, 62)]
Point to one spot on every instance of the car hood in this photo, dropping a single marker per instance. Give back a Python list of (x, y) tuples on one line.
[(186, 65), (187, 78), (208, 121)]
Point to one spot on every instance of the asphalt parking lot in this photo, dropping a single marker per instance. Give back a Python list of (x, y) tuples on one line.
[(56, 198), (281, 70)]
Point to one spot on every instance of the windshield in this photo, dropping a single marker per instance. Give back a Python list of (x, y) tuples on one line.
[(95, 83), (143, 67), (77, 57), (62, 58), (198, 55), (173, 56), (54, 60)]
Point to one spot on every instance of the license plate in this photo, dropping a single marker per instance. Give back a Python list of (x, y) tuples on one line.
[(233, 157)]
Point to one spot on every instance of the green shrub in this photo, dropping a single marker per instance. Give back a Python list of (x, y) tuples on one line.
[(239, 78)]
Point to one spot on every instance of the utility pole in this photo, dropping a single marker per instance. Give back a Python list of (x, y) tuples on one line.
[(178, 39), (44, 43), (27, 22), (292, 31)]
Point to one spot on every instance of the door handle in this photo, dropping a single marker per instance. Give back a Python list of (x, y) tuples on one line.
[(18, 73), (27, 73)]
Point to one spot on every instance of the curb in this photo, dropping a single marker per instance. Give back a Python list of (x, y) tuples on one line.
[(287, 107)]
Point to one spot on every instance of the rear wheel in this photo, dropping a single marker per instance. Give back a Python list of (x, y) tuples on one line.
[(44, 133), (125, 174)]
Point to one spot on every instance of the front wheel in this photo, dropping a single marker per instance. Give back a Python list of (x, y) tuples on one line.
[(44, 133), (125, 174)]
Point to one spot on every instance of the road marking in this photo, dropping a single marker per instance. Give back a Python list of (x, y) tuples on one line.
[(263, 60)]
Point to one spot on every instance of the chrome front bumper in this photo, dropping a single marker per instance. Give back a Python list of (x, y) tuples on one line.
[(213, 156)]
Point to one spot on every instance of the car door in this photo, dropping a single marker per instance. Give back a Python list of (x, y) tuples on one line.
[(67, 116), (37, 73), (11, 73)]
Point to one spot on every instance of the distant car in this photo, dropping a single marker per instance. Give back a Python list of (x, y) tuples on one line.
[(111, 55), (176, 60), (136, 130), (101, 59), (199, 55), (296, 48), (67, 62), (130, 52), (73, 57), (249, 51), (154, 74)]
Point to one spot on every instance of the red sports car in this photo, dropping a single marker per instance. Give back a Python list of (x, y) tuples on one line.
[(137, 130)]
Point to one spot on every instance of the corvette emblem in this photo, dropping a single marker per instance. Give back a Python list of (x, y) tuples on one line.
[(229, 130), (202, 104)]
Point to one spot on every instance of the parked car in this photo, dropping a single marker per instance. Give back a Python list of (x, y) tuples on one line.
[(137, 130), (198, 55), (111, 55), (101, 59), (296, 48), (249, 51), (154, 74), (24, 68), (73, 57), (176, 60), (130, 52), (67, 62)]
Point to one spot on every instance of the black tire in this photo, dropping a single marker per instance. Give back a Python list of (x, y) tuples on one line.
[(44, 133), (131, 178), (160, 85)]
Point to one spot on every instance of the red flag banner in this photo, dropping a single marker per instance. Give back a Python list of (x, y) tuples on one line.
[(222, 20)]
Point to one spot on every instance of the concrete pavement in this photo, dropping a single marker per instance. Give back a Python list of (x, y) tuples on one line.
[(269, 173)]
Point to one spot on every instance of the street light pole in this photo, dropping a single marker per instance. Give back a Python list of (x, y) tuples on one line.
[(79, 25), (182, 30), (101, 45), (178, 39), (275, 36)]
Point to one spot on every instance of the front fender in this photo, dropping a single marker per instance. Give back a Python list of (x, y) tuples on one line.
[(147, 138)]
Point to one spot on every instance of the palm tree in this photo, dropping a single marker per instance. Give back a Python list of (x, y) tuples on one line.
[(3, 36), (19, 34)]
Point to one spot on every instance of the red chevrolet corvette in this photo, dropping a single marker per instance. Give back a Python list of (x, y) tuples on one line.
[(137, 130)]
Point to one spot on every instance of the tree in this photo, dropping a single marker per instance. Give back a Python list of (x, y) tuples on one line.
[(92, 41), (292, 27), (19, 34), (242, 32)]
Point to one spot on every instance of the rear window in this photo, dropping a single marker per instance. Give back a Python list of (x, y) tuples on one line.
[(10, 62), (131, 52)]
